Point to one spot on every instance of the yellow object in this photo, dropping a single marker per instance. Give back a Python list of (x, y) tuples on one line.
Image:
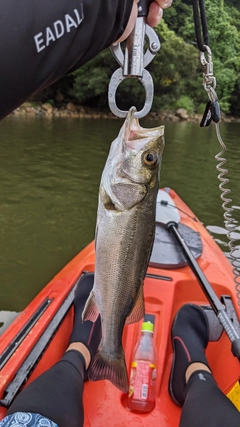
[(234, 395), (147, 327)]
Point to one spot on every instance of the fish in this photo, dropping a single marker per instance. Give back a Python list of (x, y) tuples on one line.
[(125, 229)]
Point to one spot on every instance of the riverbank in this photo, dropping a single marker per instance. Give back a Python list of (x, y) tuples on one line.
[(76, 111)]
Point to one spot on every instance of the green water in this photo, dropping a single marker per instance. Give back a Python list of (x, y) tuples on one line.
[(49, 176)]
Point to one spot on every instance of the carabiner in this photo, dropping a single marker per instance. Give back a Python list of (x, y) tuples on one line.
[(207, 64)]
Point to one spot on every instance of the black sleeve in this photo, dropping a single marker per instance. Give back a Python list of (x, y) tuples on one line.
[(42, 40)]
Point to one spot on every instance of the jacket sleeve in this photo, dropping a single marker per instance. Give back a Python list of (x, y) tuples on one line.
[(42, 40)]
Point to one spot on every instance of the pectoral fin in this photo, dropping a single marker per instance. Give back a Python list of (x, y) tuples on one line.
[(90, 311), (138, 310)]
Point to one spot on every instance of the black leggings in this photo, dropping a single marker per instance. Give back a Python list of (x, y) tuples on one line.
[(205, 404), (57, 393)]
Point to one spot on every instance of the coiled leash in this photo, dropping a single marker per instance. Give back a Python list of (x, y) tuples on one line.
[(212, 113), (133, 60)]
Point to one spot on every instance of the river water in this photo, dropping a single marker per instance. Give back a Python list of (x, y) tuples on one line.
[(49, 177)]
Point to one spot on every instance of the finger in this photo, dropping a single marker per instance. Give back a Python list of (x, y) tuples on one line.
[(164, 4), (154, 15)]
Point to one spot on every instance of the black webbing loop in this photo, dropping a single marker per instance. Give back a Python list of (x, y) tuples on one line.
[(201, 28), (143, 7)]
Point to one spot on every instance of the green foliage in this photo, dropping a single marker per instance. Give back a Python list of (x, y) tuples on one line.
[(91, 80), (185, 102), (176, 69), (234, 100), (233, 4), (223, 25), (177, 16), (51, 102), (201, 108)]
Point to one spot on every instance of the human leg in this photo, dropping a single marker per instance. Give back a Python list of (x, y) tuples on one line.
[(206, 405), (57, 393), (191, 384)]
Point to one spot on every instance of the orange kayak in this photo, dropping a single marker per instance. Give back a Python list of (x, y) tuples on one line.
[(38, 337)]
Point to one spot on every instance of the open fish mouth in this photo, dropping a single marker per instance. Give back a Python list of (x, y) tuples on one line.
[(126, 158), (135, 137)]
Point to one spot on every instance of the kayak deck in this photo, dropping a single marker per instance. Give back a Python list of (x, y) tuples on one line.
[(165, 291)]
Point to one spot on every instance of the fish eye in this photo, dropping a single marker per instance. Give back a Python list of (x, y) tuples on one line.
[(150, 158)]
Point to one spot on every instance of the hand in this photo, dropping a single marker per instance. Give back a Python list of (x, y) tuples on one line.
[(156, 11), (154, 16)]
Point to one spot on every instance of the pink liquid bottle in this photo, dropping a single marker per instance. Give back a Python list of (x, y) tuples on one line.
[(141, 396)]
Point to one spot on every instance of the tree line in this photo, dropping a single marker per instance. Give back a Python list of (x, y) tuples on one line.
[(176, 69)]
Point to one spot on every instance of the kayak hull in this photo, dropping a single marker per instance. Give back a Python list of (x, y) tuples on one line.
[(165, 291)]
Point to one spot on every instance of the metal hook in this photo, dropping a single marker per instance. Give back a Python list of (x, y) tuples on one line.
[(133, 62), (207, 64), (153, 47), (115, 81)]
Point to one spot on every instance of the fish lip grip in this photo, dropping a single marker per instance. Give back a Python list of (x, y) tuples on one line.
[(133, 62)]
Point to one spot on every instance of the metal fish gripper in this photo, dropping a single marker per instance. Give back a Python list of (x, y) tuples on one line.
[(133, 61)]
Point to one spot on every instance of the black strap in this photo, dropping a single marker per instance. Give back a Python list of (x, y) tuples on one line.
[(143, 7), (201, 28)]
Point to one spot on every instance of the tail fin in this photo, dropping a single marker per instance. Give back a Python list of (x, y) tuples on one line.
[(104, 366)]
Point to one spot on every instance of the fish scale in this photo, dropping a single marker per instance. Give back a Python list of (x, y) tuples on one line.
[(124, 238)]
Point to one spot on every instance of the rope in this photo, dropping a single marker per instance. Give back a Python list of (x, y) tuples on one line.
[(200, 22)]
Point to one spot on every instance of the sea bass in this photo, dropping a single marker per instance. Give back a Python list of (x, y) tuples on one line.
[(124, 238)]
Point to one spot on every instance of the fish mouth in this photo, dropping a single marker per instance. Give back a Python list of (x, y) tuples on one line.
[(135, 136), (131, 126)]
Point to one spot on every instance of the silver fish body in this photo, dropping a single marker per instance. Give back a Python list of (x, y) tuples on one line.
[(124, 238)]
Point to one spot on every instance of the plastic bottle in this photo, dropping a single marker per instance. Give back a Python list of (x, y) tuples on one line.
[(141, 396)]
